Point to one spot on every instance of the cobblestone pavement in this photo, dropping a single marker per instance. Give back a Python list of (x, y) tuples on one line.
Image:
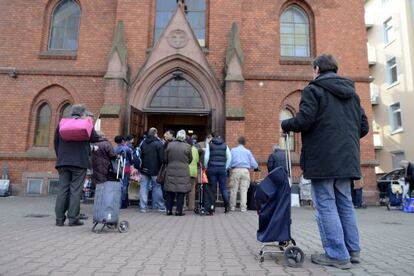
[(224, 244)]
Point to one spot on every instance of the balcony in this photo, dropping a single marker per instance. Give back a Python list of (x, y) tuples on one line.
[(369, 21), (374, 93), (377, 141), (372, 55)]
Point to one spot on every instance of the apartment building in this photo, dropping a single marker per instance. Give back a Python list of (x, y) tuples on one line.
[(390, 40)]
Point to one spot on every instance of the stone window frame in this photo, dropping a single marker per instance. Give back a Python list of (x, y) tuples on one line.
[(151, 36), (38, 108), (283, 60), (45, 52)]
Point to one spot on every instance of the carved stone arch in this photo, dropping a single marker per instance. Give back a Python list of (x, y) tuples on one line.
[(147, 83)]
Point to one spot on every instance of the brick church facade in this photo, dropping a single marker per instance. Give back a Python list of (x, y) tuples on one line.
[(236, 66)]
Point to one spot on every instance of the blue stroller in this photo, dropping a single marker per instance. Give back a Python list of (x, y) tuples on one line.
[(273, 201)]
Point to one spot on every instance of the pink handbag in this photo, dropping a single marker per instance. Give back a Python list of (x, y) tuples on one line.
[(75, 129)]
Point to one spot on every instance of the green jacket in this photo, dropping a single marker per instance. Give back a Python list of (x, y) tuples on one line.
[(194, 162)]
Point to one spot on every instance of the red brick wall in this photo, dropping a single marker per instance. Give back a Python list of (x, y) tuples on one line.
[(338, 29)]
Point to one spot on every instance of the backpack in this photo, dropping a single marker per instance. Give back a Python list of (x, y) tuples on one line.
[(136, 157)]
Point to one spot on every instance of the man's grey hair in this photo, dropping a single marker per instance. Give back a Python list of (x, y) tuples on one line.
[(181, 135), (152, 131), (277, 147), (78, 110)]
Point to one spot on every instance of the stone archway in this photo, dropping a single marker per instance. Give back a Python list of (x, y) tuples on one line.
[(147, 84)]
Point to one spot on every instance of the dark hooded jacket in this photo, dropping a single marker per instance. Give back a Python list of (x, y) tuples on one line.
[(73, 153), (331, 121), (152, 155), (277, 159), (102, 154)]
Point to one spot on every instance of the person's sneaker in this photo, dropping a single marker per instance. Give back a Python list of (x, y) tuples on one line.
[(355, 259), (322, 259), (143, 210), (60, 223), (169, 213), (83, 216), (76, 223), (162, 210), (233, 209), (243, 210)]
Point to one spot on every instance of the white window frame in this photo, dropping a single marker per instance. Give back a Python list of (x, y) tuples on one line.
[(390, 68), (395, 111), (389, 31)]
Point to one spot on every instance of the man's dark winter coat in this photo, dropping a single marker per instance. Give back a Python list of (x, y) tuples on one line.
[(74, 154), (277, 159), (331, 121), (101, 160), (152, 155)]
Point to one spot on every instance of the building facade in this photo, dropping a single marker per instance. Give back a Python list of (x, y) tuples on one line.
[(235, 66), (390, 32)]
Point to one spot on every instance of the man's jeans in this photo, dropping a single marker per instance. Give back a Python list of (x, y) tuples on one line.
[(335, 216), (124, 190), (219, 175), (157, 196), (69, 193)]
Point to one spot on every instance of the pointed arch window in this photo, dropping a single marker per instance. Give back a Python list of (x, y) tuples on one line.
[(195, 11), (65, 111), (294, 33), (287, 114), (43, 118), (177, 93), (65, 24)]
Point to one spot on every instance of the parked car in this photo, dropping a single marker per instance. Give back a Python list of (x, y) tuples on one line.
[(384, 181)]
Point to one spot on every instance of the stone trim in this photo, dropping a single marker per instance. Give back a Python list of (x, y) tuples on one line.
[(84, 73), (299, 78), (110, 111), (66, 55)]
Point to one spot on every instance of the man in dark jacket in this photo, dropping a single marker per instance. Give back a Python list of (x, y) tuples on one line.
[(217, 159), (276, 159), (72, 163), (331, 121), (152, 156)]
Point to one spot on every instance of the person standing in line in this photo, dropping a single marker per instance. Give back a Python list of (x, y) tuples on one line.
[(217, 159), (193, 173), (331, 121), (72, 163), (177, 176), (126, 152), (152, 157), (242, 161), (102, 154)]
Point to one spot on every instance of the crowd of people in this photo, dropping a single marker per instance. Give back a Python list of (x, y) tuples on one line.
[(330, 120)]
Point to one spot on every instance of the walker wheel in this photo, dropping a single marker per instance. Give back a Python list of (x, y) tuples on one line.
[(294, 256), (261, 259), (196, 210), (123, 226), (389, 206)]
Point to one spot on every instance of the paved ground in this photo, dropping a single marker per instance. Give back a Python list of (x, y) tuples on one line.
[(224, 244)]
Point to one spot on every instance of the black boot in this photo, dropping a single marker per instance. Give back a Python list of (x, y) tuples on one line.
[(226, 208)]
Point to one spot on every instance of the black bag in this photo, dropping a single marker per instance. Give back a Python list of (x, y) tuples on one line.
[(117, 168), (251, 202), (161, 174)]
